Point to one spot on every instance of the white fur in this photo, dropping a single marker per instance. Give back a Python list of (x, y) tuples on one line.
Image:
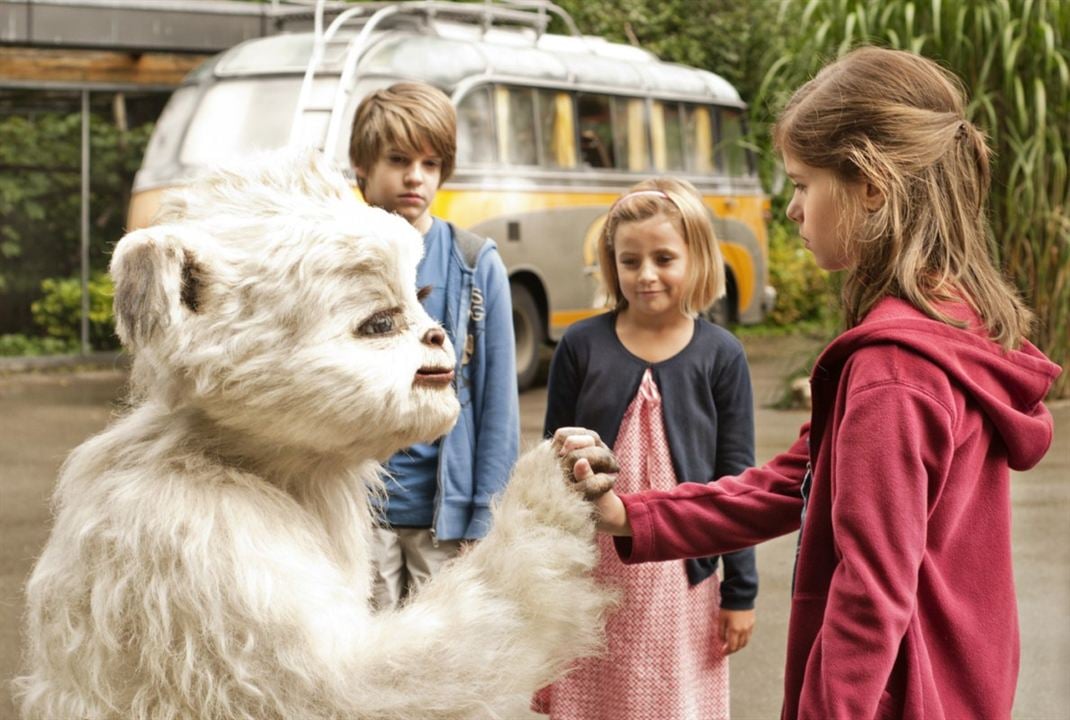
[(209, 557)]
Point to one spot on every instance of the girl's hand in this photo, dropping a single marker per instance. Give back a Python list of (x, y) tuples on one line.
[(611, 514), (736, 629)]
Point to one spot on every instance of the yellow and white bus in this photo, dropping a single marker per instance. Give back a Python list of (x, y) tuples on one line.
[(551, 129)]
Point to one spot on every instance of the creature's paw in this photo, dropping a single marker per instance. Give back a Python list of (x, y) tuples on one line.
[(541, 491), (589, 465)]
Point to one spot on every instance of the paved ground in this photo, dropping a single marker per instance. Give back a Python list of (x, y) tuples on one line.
[(43, 416)]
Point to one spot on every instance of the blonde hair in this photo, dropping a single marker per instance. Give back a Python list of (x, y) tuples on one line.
[(681, 203), (897, 121), (410, 116)]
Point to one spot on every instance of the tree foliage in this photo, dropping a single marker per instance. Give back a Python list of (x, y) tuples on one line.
[(40, 195), (725, 36), (1013, 57)]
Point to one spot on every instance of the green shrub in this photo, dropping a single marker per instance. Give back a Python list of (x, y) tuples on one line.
[(18, 345), (58, 313), (806, 294)]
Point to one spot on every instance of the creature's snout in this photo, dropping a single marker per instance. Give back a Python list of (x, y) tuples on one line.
[(440, 373), (435, 336)]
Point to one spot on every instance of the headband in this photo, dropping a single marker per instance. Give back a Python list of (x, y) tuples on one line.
[(636, 193)]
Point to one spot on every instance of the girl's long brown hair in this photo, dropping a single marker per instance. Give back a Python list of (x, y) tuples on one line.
[(897, 121)]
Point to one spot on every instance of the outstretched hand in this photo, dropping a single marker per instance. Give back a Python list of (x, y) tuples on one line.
[(590, 468)]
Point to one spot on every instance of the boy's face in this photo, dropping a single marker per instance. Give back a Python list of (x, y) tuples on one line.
[(404, 183)]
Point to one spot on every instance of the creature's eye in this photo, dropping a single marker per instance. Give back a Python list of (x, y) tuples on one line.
[(383, 322), (423, 293)]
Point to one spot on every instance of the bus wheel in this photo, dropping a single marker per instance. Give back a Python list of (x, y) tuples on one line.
[(719, 313), (725, 311), (530, 335)]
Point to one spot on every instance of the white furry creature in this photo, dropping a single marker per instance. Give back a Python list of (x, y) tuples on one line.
[(210, 553)]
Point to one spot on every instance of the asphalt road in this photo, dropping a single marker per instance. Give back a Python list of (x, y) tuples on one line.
[(44, 416)]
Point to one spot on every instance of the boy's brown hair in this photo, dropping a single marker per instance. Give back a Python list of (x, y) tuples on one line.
[(680, 202), (897, 121), (410, 116)]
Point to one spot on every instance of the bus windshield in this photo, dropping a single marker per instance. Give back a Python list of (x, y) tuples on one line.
[(236, 117)]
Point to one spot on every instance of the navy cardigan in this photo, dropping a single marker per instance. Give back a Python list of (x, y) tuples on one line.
[(707, 404)]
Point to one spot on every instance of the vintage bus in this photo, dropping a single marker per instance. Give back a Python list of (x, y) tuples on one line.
[(551, 129)]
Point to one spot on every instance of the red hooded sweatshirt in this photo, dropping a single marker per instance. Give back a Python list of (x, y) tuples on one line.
[(903, 603)]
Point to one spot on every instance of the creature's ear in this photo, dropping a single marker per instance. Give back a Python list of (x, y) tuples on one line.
[(160, 276)]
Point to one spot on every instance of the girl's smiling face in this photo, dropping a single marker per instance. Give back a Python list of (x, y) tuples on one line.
[(824, 208), (651, 257)]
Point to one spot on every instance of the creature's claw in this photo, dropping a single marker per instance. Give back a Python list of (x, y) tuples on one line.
[(589, 465)]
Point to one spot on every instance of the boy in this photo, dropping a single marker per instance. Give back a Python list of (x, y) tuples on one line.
[(403, 147)]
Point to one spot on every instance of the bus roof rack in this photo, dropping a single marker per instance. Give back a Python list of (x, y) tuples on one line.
[(372, 16), (535, 14)]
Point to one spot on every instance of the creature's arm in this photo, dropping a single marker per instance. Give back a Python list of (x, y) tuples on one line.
[(260, 603), (214, 595), (505, 618)]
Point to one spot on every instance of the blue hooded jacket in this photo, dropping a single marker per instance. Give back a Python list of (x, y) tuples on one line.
[(475, 458)]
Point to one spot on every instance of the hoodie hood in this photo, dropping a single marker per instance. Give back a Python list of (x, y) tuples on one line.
[(1008, 385)]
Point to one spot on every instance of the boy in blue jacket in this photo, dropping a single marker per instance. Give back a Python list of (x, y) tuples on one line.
[(403, 147)]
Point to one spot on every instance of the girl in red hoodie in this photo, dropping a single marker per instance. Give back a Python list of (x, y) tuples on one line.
[(903, 602)]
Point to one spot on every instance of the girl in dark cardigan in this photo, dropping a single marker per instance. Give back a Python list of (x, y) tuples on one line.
[(672, 394)]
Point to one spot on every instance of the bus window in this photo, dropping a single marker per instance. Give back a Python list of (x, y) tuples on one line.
[(657, 134), (475, 129), (667, 135), (730, 150), (596, 131), (557, 142), (516, 125), (629, 129), (674, 137), (698, 127)]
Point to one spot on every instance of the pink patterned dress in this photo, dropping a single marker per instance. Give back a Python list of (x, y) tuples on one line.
[(664, 659)]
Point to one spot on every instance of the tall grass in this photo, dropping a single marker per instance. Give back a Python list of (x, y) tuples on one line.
[(1014, 59)]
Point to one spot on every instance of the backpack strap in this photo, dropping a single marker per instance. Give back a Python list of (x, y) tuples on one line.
[(468, 243)]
